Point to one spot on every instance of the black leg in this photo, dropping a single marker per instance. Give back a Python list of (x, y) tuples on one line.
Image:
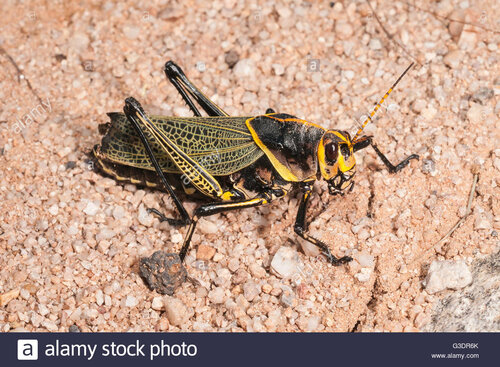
[(300, 228), (214, 208), (389, 165), (132, 107), (184, 86), (368, 140)]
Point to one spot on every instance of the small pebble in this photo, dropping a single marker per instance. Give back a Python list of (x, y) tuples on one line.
[(364, 275), (257, 271), (288, 297), (72, 230), (343, 29), (313, 323), (74, 329), (285, 262), (278, 69), (177, 312), (375, 44), (456, 27), (217, 295), (118, 212), (79, 41), (250, 290), (447, 274), (157, 303), (284, 11), (105, 234), (240, 276), (481, 222), (131, 32), (475, 113), (99, 297), (245, 68), (207, 227), (54, 209), (131, 301), (365, 260), (205, 252), (231, 58), (309, 248), (429, 167), (349, 74), (91, 208), (8, 296), (267, 288), (482, 95), (144, 217), (453, 58)]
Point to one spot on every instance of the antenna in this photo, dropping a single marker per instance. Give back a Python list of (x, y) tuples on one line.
[(369, 119)]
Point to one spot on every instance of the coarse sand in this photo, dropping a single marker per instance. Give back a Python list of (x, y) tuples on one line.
[(71, 238)]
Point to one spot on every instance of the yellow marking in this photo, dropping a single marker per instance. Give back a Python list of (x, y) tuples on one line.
[(338, 134), (189, 190), (244, 204), (227, 196), (344, 165), (322, 162), (280, 167), (114, 174)]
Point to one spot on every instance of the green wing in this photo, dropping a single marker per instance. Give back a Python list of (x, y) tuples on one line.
[(221, 145)]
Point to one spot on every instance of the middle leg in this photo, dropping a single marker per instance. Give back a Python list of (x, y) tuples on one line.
[(300, 228), (214, 208)]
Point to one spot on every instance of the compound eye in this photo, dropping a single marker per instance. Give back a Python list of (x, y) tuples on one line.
[(344, 149), (331, 153)]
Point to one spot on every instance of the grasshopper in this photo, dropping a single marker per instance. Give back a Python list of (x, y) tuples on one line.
[(238, 162)]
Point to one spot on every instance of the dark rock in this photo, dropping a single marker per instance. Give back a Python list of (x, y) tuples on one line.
[(163, 272), (231, 58), (70, 165), (483, 95), (74, 329), (428, 166)]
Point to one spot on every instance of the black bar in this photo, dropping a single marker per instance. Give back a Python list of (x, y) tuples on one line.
[(252, 349)]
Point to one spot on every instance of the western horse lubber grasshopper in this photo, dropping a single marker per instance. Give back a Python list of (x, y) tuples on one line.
[(239, 162)]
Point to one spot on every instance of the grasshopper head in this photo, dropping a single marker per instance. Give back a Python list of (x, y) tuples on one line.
[(336, 160)]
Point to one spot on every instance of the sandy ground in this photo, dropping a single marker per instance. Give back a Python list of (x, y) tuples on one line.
[(71, 238)]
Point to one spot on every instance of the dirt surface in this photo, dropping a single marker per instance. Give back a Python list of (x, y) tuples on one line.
[(71, 239)]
